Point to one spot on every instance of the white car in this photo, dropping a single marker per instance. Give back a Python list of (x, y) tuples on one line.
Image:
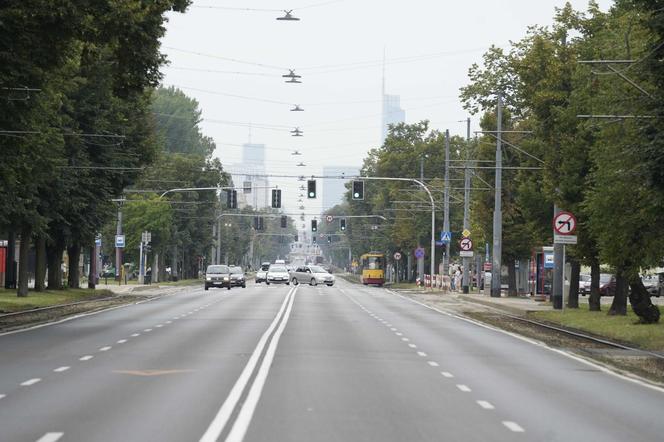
[(313, 275), (261, 273), (277, 274)]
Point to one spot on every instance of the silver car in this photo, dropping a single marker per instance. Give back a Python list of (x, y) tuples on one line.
[(313, 275), (277, 274)]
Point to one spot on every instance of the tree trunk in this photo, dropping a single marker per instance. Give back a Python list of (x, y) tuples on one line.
[(40, 264), (619, 304), (594, 304), (639, 299), (573, 299), (74, 253), (54, 259), (511, 278), (22, 290), (92, 275), (174, 264), (155, 267)]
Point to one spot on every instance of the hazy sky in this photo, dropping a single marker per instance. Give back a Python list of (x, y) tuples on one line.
[(231, 61)]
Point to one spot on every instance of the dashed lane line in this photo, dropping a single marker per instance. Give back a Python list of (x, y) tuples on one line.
[(61, 369), (30, 382), (421, 353), (486, 405), (464, 388), (121, 341), (85, 358), (513, 426), (433, 363), (107, 348), (2, 395), (447, 374), (412, 345), (135, 335), (51, 437)]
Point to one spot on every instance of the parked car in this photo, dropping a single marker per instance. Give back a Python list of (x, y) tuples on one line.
[(218, 276), (651, 283), (261, 273), (237, 277), (277, 274), (607, 284), (584, 284), (313, 275)]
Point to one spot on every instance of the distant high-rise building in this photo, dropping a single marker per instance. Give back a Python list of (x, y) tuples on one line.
[(392, 113), (253, 172), (334, 188)]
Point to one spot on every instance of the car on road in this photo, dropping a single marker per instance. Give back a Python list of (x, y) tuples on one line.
[(237, 277), (277, 274), (584, 284), (261, 273), (218, 276), (607, 284), (651, 283), (312, 275)]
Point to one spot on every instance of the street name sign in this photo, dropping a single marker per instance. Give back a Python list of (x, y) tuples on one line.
[(564, 239)]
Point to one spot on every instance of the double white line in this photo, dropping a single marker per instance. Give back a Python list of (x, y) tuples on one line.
[(243, 419)]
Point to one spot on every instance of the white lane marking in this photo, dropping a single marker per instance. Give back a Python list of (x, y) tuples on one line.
[(169, 322), (405, 339), (394, 329), (29, 382), (159, 325), (447, 374), (399, 334), (50, 437), (412, 345), (421, 353), (602, 368), (464, 388), (2, 395), (61, 369), (223, 415), (107, 348), (135, 335), (433, 363), (122, 341), (486, 405), (147, 330), (243, 420), (513, 426), (85, 358)]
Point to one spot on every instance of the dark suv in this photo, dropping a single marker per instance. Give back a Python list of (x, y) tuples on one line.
[(218, 276)]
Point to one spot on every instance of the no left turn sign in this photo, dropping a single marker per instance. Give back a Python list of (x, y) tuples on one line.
[(466, 244), (397, 256), (564, 223), (329, 218)]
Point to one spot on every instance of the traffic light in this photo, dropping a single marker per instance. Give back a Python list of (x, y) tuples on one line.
[(276, 198), (342, 224), (231, 199), (314, 225), (311, 189), (329, 239), (313, 240), (284, 221), (358, 190)]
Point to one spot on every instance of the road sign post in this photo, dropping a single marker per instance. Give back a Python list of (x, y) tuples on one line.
[(564, 227)]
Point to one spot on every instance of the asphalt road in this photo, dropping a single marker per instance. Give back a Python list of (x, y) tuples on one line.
[(280, 363)]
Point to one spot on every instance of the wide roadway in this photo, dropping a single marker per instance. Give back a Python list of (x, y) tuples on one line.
[(342, 363)]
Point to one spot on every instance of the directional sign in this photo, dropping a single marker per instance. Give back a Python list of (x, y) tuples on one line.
[(465, 233), (445, 237), (564, 239), (329, 218), (397, 256), (466, 253), (119, 241), (564, 223), (466, 244), (419, 253)]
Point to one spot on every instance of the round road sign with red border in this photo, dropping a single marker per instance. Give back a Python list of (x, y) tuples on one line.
[(397, 256), (564, 223), (466, 244), (329, 218)]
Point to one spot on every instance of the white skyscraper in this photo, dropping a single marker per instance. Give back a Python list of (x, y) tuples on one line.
[(253, 171), (392, 112)]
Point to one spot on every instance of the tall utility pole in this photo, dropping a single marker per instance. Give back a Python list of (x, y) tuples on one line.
[(558, 281), (466, 205), (118, 250), (497, 210), (446, 204)]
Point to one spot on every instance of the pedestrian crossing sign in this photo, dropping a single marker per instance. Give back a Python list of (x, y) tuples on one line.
[(446, 237)]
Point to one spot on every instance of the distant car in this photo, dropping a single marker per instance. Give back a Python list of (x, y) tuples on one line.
[(584, 284), (218, 276), (237, 277), (607, 284), (261, 273), (277, 274), (313, 275), (651, 283)]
